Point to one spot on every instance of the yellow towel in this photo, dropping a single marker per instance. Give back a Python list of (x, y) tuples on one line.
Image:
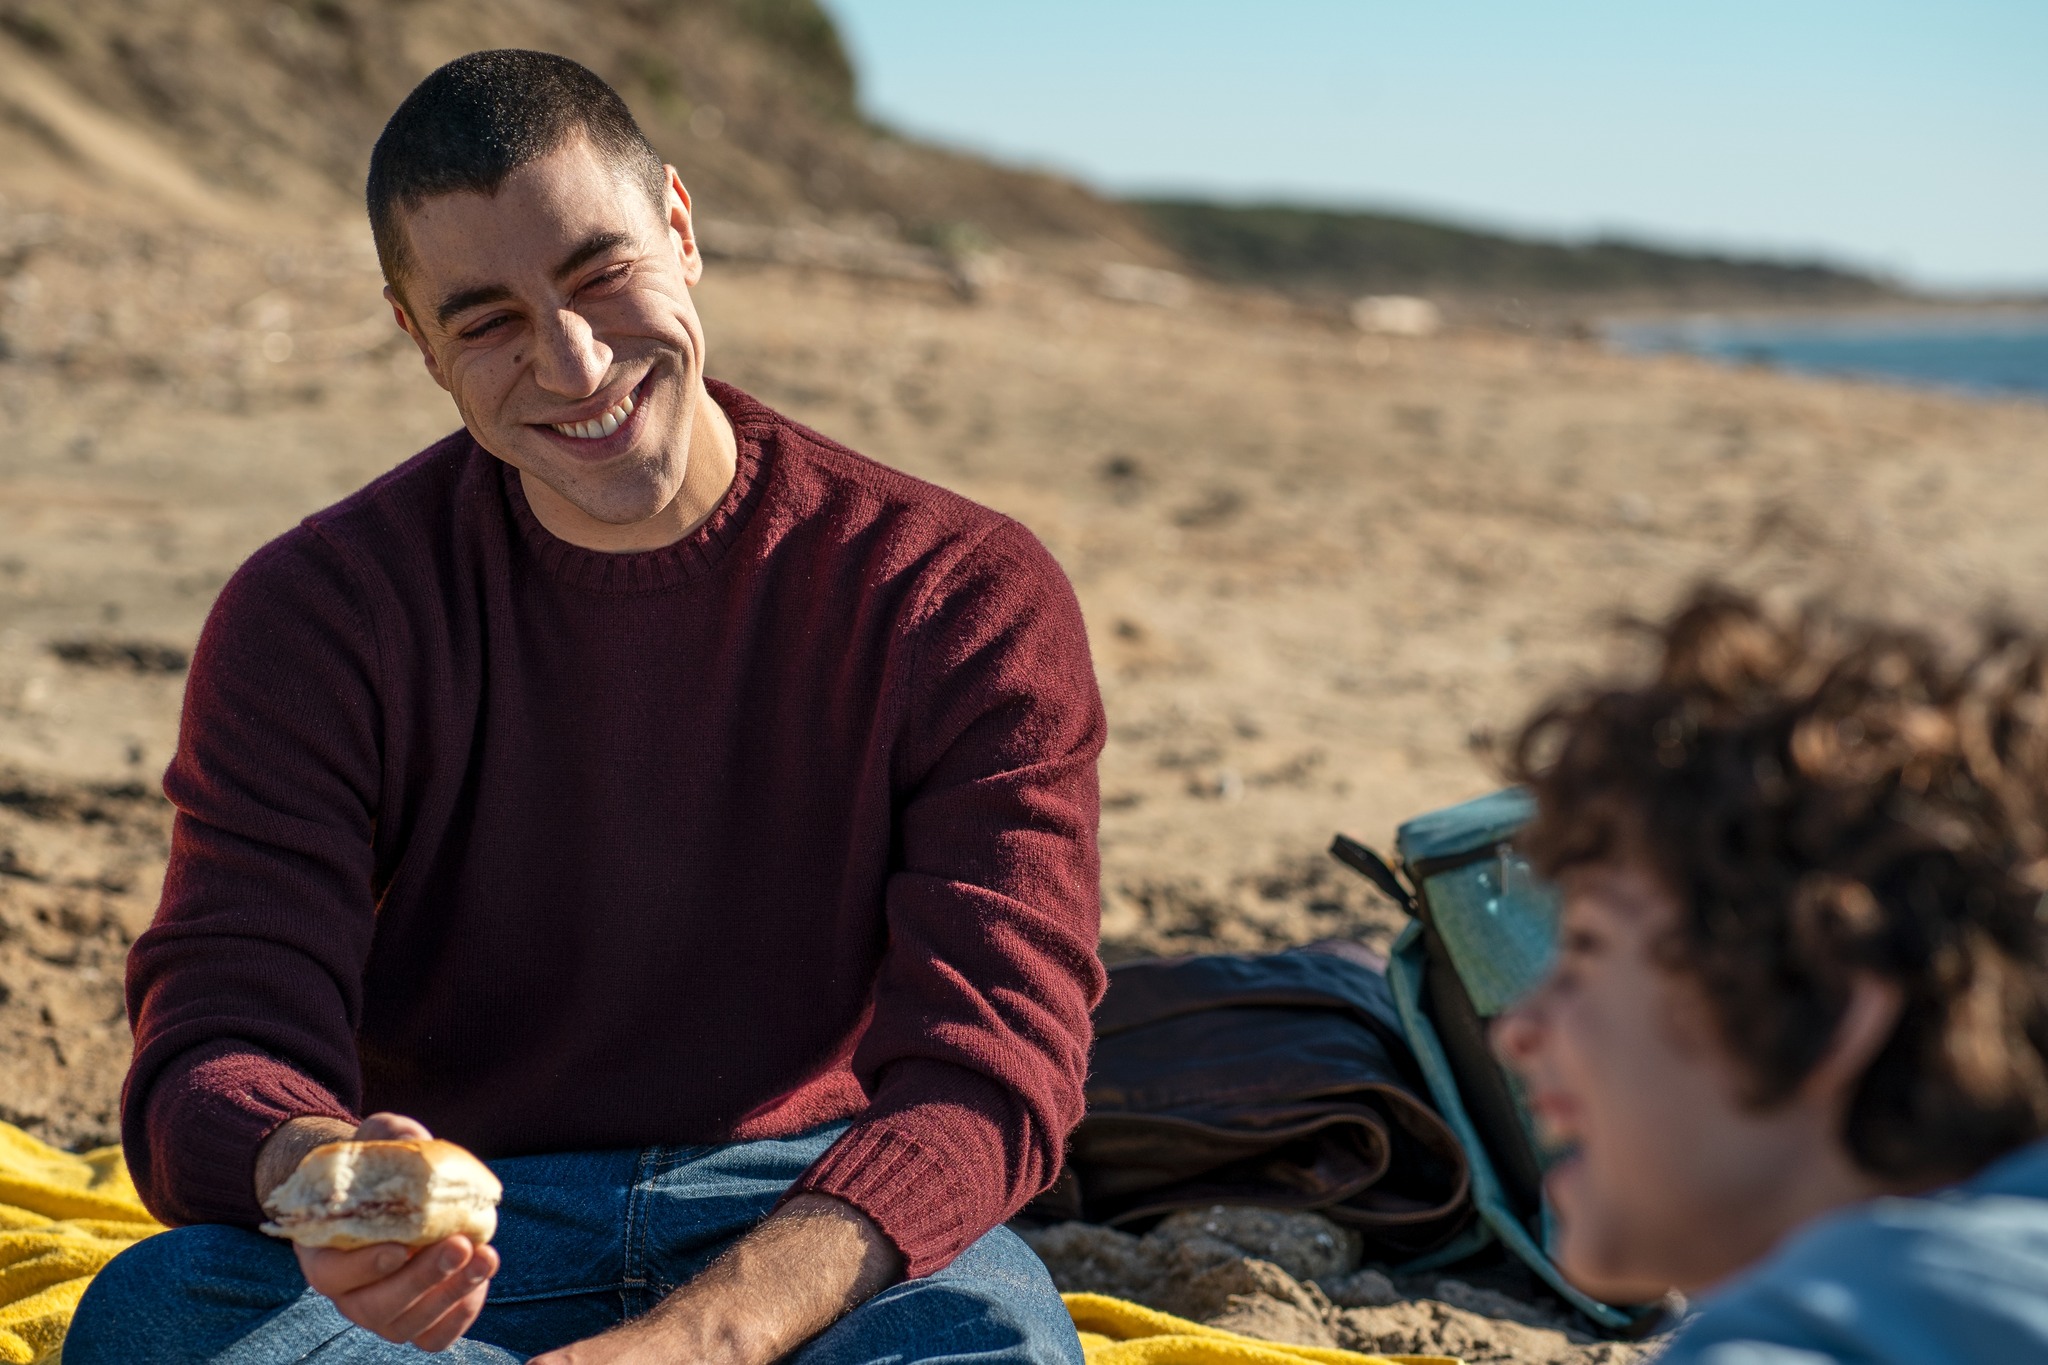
[(62, 1217), (1114, 1332)]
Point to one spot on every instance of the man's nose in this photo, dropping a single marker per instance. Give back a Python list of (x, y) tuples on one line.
[(569, 359)]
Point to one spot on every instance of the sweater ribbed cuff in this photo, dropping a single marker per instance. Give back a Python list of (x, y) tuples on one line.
[(208, 1123), (905, 1188)]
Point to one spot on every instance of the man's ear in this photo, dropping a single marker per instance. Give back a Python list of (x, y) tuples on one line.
[(405, 325), (1867, 1024), (680, 230)]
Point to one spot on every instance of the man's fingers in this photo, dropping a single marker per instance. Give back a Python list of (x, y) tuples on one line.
[(449, 1305), (453, 1323), (429, 1297), (430, 1313), (414, 1295), (335, 1272)]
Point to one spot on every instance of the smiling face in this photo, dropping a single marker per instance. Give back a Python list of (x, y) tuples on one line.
[(1672, 1180), (557, 314)]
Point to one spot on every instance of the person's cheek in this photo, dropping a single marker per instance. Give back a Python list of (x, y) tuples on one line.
[(485, 389), (1590, 1073)]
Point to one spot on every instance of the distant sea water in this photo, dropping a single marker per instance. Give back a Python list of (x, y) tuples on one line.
[(2003, 354)]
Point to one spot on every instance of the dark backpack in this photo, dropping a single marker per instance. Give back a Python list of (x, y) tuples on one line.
[(1279, 1079)]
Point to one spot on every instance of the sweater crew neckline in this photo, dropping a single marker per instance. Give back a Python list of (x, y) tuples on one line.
[(668, 566)]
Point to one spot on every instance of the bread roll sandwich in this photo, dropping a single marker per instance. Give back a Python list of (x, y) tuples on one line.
[(410, 1190)]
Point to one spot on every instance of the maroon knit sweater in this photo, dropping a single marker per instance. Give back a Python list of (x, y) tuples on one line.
[(555, 850)]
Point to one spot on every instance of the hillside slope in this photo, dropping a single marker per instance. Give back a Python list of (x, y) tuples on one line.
[(278, 103), (1332, 251), (228, 110)]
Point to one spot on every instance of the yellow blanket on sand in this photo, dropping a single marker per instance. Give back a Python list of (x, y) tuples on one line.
[(1115, 1332), (62, 1217)]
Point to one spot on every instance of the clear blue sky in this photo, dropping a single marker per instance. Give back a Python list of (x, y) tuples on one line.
[(1906, 136)]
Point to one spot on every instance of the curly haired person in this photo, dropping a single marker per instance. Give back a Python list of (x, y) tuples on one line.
[(1794, 1047)]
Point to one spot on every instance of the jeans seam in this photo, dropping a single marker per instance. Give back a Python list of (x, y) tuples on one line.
[(635, 1241), (655, 1163)]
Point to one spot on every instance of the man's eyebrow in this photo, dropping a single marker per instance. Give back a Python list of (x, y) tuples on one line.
[(465, 299), (593, 246)]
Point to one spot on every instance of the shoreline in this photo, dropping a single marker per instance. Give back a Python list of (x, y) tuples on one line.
[(1979, 354)]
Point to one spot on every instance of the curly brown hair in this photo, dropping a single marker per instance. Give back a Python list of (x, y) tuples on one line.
[(1827, 797)]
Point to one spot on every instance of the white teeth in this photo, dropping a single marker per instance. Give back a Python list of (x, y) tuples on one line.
[(604, 424)]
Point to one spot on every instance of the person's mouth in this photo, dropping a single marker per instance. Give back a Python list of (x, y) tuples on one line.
[(605, 422), (1557, 1121)]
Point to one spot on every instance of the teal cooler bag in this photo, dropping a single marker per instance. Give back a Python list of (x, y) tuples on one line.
[(1482, 934)]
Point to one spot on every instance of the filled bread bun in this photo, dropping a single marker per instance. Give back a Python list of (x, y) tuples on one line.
[(410, 1190)]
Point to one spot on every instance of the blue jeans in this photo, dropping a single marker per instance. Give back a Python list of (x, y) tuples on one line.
[(589, 1240)]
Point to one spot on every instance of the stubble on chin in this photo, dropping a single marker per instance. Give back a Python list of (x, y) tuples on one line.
[(625, 495)]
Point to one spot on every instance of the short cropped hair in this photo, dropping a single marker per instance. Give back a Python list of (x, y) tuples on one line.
[(474, 121), (1824, 797)]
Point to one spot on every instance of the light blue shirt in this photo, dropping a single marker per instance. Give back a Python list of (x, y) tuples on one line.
[(1954, 1278)]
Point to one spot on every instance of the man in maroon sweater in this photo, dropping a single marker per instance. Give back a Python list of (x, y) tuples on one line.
[(688, 815)]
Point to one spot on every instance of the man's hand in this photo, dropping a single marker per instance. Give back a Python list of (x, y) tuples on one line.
[(779, 1286), (428, 1297)]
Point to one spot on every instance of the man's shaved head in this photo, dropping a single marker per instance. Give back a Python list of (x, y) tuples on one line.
[(477, 119)]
